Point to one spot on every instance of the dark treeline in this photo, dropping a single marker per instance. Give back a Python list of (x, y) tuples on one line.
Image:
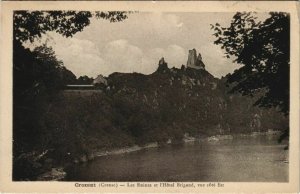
[(37, 79)]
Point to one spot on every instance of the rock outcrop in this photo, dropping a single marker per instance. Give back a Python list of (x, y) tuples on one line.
[(56, 174), (162, 61), (194, 61), (162, 65)]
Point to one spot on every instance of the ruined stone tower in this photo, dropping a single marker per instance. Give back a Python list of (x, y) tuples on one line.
[(194, 61)]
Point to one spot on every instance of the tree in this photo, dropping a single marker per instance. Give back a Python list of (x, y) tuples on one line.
[(29, 25), (263, 51), (38, 72), (38, 76)]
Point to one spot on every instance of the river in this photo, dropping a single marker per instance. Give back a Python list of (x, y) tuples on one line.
[(242, 159)]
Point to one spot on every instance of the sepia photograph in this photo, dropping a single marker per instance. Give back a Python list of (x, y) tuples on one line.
[(172, 97)]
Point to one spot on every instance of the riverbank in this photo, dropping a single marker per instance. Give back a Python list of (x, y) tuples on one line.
[(207, 161), (186, 139), (58, 173)]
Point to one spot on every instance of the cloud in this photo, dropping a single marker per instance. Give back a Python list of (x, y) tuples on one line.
[(164, 25), (216, 63), (121, 56), (82, 57), (138, 43), (166, 20), (145, 30), (174, 55)]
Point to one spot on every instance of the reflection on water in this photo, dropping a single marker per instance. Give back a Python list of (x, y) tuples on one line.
[(239, 160)]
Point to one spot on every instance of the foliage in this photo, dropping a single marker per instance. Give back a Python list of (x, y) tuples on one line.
[(84, 80), (263, 50), (29, 25), (38, 71), (31, 67), (38, 76)]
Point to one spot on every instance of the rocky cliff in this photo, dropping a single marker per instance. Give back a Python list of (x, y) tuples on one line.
[(191, 100), (134, 108), (187, 99)]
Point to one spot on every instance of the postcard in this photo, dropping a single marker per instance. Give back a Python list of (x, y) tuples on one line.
[(149, 96)]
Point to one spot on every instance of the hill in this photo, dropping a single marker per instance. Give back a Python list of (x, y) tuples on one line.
[(132, 108)]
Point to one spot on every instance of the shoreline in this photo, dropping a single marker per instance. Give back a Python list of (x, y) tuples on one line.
[(185, 140), (58, 173)]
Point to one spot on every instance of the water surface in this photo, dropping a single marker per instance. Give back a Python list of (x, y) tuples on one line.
[(250, 159)]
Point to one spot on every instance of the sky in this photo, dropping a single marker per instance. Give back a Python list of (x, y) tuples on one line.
[(137, 43)]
